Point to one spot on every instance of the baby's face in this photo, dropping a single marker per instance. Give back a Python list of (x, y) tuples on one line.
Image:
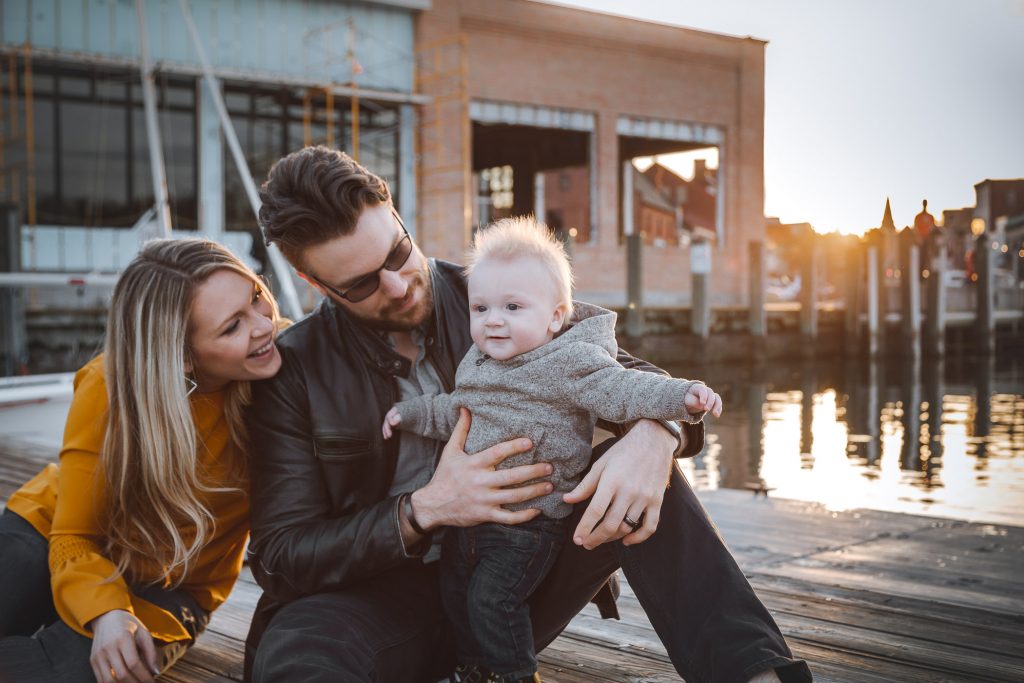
[(513, 307)]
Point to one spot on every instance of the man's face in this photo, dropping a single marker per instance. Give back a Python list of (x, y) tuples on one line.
[(403, 299)]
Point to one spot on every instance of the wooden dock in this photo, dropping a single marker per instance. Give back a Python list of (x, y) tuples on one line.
[(862, 595)]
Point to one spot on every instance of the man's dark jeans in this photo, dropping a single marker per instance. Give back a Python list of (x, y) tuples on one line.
[(35, 645), (392, 627), (487, 573)]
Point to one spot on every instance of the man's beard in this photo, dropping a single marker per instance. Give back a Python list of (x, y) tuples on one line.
[(389, 320)]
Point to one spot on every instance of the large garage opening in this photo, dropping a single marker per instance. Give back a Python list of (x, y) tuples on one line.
[(671, 182), (534, 160)]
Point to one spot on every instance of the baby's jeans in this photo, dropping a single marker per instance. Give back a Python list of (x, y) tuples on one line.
[(487, 573)]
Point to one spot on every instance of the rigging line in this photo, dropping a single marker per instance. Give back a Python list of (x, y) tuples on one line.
[(101, 159), (166, 124)]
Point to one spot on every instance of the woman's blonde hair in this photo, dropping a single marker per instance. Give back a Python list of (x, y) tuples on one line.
[(524, 237), (153, 511)]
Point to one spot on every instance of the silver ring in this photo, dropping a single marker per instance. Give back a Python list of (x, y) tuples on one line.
[(632, 524)]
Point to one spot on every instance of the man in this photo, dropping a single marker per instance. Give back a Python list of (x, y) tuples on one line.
[(344, 524)]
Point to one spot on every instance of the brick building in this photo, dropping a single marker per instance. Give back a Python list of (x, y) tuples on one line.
[(539, 88), (698, 197)]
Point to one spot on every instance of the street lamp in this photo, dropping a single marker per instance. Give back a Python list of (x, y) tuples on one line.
[(978, 226)]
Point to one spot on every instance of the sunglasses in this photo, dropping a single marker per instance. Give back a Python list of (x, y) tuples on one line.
[(370, 283)]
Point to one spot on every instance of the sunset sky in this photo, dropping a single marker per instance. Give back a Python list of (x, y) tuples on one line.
[(910, 99)]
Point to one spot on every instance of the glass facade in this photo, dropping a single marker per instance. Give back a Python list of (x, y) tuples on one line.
[(91, 156), (273, 121), (89, 145)]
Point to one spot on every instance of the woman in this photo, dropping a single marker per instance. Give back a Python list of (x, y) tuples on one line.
[(111, 564)]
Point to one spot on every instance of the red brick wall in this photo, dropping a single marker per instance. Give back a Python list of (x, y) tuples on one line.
[(530, 53)]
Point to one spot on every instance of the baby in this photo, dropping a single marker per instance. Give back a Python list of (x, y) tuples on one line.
[(543, 368)]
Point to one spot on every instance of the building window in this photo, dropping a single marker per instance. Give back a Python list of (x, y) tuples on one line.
[(271, 122), (90, 149)]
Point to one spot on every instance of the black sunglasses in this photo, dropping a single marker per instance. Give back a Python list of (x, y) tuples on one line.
[(370, 283)]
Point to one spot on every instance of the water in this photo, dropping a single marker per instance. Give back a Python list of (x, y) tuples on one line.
[(935, 439)]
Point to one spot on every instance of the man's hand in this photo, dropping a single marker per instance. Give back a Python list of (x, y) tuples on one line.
[(122, 649), (700, 397), (627, 481), (467, 489)]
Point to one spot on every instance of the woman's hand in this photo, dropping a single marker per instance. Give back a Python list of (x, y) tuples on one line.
[(122, 649)]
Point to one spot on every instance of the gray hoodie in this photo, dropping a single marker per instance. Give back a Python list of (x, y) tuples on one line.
[(552, 395)]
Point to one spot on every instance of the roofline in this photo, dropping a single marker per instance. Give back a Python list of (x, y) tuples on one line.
[(616, 15)]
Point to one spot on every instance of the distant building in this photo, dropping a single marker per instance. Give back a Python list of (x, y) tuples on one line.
[(783, 245), (656, 217), (1000, 204), (567, 200), (698, 198), (1015, 243), (998, 200), (471, 109), (539, 108), (956, 224), (289, 72), (668, 210)]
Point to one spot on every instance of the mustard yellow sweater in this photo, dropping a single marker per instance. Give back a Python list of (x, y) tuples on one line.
[(62, 504)]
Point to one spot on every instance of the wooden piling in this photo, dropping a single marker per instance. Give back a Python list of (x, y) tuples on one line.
[(758, 317), (874, 300), (986, 370), (933, 375), (855, 273), (910, 295), (808, 387), (809, 294), (634, 285), (984, 261), (700, 269), (13, 338), (875, 391), (757, 397), (700, 317), (910, 458), (935, 330)]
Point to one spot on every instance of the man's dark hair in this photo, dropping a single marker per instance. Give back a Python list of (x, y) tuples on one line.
[(314, 195)]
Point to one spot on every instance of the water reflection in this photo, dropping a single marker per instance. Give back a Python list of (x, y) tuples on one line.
[(911, 437)]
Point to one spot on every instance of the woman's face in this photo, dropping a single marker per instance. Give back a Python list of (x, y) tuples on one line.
[(232, 334)]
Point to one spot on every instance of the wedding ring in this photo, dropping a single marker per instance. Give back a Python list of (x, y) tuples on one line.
[(631, 523), (113, 674)]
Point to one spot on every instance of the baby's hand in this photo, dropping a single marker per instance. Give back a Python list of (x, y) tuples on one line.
[(701, 397), (391, 420)]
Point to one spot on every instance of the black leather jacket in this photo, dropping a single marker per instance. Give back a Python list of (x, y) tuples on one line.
[(320, 468)]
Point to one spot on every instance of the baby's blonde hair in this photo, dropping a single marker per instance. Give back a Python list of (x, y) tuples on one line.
[(524, 237)]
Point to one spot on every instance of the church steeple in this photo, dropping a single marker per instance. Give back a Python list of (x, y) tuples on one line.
[(887, 224)]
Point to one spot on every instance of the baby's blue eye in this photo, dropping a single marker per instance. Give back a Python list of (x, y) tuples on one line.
[(513, 307), (479, 309)]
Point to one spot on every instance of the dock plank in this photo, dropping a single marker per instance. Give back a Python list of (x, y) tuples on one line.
[(863, 595)]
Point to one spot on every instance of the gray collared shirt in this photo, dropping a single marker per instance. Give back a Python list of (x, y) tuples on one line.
[(417, 455)]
